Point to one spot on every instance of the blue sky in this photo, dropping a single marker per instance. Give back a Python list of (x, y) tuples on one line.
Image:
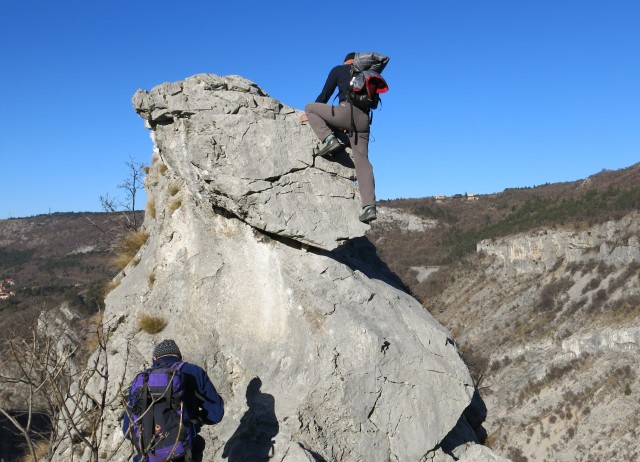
[(484, 94)]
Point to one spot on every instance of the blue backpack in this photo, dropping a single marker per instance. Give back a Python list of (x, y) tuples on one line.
[(159, 423)]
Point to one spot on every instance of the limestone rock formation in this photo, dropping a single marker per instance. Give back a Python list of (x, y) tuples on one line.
[(248, 154), (553, 318), (539, 252), (256, 261)]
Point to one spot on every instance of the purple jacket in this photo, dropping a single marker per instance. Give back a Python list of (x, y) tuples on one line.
[(201, 398)]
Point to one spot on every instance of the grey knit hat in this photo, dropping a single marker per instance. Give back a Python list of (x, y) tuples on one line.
[(165, 348)]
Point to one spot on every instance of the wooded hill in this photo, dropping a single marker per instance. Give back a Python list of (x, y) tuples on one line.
[(462, 222)]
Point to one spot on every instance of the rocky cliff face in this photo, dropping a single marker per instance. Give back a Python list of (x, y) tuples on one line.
[(551, 322), (256, 261)]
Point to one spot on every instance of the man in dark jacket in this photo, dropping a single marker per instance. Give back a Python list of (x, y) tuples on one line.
[(326, 119), (203, 403)]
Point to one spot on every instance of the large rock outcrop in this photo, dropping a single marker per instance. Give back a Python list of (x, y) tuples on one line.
[(246, 153), (256, 260)]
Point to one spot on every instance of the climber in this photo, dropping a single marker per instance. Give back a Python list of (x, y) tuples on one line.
[(330, 124), (165, 399)]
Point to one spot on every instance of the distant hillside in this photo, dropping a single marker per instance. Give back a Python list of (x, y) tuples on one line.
[(46, 260), (463, 221)]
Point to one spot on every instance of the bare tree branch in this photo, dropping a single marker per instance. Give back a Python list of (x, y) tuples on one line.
[(131, 186), (50, 381)]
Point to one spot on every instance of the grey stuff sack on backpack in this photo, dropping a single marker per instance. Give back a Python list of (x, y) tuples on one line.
[(369, 61), (366, 83)]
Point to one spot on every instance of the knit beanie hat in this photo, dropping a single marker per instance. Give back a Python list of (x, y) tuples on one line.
[(167, 347), (350, 56)]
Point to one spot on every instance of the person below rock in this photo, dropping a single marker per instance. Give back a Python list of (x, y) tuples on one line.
[(327, 121), (200, 400)]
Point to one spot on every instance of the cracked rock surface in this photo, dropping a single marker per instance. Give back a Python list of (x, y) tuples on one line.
[(247, 153), (317, 350)]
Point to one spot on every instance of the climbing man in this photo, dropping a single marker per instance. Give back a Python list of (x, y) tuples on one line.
[(327, 121), (167, 405)]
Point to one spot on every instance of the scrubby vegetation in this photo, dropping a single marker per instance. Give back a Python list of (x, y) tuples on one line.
[(463, 224), (129, 247), (54, 259)]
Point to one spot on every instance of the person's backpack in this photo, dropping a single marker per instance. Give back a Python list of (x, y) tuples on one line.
[(366, 82), (159, 423)]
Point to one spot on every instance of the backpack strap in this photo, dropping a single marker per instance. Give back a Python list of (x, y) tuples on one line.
[(176, 368), (353, 128), (147, 417)]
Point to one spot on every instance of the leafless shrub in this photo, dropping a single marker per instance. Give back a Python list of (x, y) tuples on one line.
[(551, 294), (630, 271), (44, 368), (589, 266), (604, 269), (131, 186), (476, 362), (495, 365), (599, 297), (594, 283), (574, 267), (516, 455), (628, 305)]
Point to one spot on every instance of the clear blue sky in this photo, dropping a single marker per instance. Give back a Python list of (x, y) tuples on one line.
[(484, 94)]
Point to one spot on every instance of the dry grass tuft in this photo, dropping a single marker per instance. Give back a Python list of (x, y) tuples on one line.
[(174, 205), (92, 339), (41, 448), (129, 247), (151, 207), (174, 188), (162, 168), (110, 286), (151, 324)]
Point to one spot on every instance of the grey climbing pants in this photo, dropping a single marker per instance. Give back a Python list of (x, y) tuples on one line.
[(324, 122)]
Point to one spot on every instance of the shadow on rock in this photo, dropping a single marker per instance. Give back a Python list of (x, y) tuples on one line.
[(360, 254), (469, 428), (253, 441)]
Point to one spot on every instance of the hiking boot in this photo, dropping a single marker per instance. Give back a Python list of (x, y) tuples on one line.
[(331, 145), (368, 213)]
